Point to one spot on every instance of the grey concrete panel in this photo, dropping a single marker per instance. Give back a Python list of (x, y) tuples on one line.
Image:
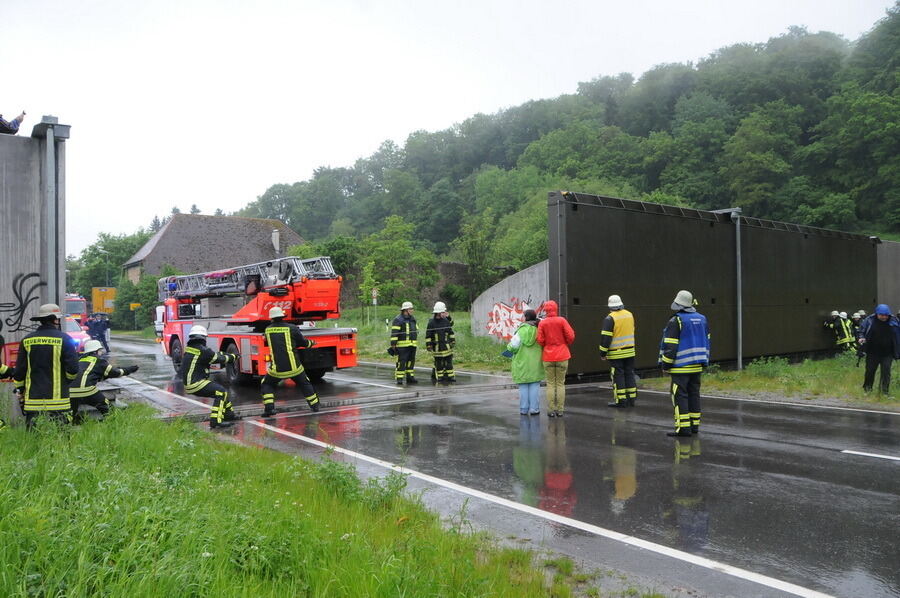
[(888, 276), (25, 267), (498, 311)]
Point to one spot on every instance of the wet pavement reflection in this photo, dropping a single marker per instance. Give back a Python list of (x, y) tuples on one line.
[(764, 487)]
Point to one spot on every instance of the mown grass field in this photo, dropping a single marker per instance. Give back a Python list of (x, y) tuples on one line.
[(835, 378), (136, 507)]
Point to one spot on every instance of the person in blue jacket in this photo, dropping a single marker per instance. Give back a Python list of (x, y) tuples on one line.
[(683, 354), (879, 339)]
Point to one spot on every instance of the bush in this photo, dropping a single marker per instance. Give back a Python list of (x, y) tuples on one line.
[(455, 296)]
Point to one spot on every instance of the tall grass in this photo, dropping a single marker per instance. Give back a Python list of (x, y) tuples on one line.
[(471, 352), (835, 378), (135, 507)]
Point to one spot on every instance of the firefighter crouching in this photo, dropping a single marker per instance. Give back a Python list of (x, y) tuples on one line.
[(92, 369), (403, 344), (439, 341), (195, 375), (617, 346), (285, 341), (46, 364), (684, 352)]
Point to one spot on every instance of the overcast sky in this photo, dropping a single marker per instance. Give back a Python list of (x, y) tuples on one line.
[(176, 102)]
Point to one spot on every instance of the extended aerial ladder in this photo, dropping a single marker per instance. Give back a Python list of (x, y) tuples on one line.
[(234, 304)]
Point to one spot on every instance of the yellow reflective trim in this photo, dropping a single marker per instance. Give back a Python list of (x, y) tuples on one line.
[(670, 340), (607, 332)]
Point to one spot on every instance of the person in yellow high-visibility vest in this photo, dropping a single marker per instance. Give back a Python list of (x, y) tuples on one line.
[(617, 347)]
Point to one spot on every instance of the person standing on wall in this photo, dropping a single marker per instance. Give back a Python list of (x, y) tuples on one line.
[(879, 339), (684, 352), (46, 364), (440, 341), (617, 346), (403, 344), (527, 369), (555, 335), (92, 369), (285, 341), (195, 375)]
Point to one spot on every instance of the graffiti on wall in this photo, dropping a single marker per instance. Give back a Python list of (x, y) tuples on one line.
[(26, 296), (504, 318)]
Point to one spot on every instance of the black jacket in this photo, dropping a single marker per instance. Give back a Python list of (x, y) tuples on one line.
[(196, 361), (46, 364), (91, 370), (285, 341), (439, 336), (403, 331)]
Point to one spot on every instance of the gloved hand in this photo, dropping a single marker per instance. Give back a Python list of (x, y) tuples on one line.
[(392, 351), (131, 369), (235, 357), (311, 344)]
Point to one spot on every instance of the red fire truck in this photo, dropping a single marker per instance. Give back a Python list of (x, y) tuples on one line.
[(76, 306), (234, 304)]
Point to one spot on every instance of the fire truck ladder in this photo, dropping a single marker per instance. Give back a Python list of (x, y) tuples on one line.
[(275, 272)]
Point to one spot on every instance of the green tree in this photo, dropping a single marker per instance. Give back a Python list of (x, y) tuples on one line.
[(474, 244), (103, 260), (402, 267)]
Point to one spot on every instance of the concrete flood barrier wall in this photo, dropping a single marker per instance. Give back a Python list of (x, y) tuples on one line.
[(792, 275), (500, 309), (32, 227)]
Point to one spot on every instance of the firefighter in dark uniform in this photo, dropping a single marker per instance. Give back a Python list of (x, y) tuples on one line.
[(439, 341), (843, 335), (195, 375), (285, 341), (92, 369), (46, 364), (617, 346), (683, 353), (403, 344)]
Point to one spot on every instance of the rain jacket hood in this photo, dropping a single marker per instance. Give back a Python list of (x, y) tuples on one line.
[(550, 308)]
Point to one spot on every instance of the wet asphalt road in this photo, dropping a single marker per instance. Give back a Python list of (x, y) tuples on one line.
[(764, 487)]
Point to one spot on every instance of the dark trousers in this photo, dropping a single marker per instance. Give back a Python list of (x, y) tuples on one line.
[(406, 363), (62, 417), (270, 383), (97, 401), (222, 409), (624, 382), (686, 400), (873, 362), (443, 368)]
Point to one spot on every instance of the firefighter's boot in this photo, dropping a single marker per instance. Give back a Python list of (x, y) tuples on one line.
[(269, 410)]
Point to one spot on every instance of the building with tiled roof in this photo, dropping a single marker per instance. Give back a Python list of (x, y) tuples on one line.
[(198, 243)]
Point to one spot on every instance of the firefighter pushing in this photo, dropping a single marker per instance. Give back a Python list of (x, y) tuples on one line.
[(285, 341), (195, 375), (92, 369)]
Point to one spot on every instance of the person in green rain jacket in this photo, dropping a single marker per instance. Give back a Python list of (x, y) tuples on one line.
[(527, 367)]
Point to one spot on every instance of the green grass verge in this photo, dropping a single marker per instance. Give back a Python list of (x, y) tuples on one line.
[(472, 352), (136, 507), (835, 378)]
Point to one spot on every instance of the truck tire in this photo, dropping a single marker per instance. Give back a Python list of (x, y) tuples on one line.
[(176, 352), (232, 373), (316, 374)]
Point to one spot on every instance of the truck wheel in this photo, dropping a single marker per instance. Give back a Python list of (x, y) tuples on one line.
[(232, 372), (316, 375), (176, 353)]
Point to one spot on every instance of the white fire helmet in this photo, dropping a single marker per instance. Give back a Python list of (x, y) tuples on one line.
[(198, 330), (276, 312), (439, 308), (406, 305), (614, 301), (92, 345), (683, 299), (844, 315)]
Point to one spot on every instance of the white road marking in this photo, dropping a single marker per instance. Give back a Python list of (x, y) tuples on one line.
[(344, 379), (586, 527), (427, 369), (877, 456), (783, 403)]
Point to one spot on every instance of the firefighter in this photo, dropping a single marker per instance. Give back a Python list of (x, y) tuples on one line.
[(684, 352), (403, 344), (285, 341), (843, 337), (195, 375), (617, 346), (92, 369), (46, 364), (440, 341)]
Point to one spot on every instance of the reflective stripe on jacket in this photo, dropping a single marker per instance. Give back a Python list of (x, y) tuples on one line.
[(91, 370), (685, 345), (284, 340), (617, 336), (439, 336), (403, 331), (195, 364), (47, 362)]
